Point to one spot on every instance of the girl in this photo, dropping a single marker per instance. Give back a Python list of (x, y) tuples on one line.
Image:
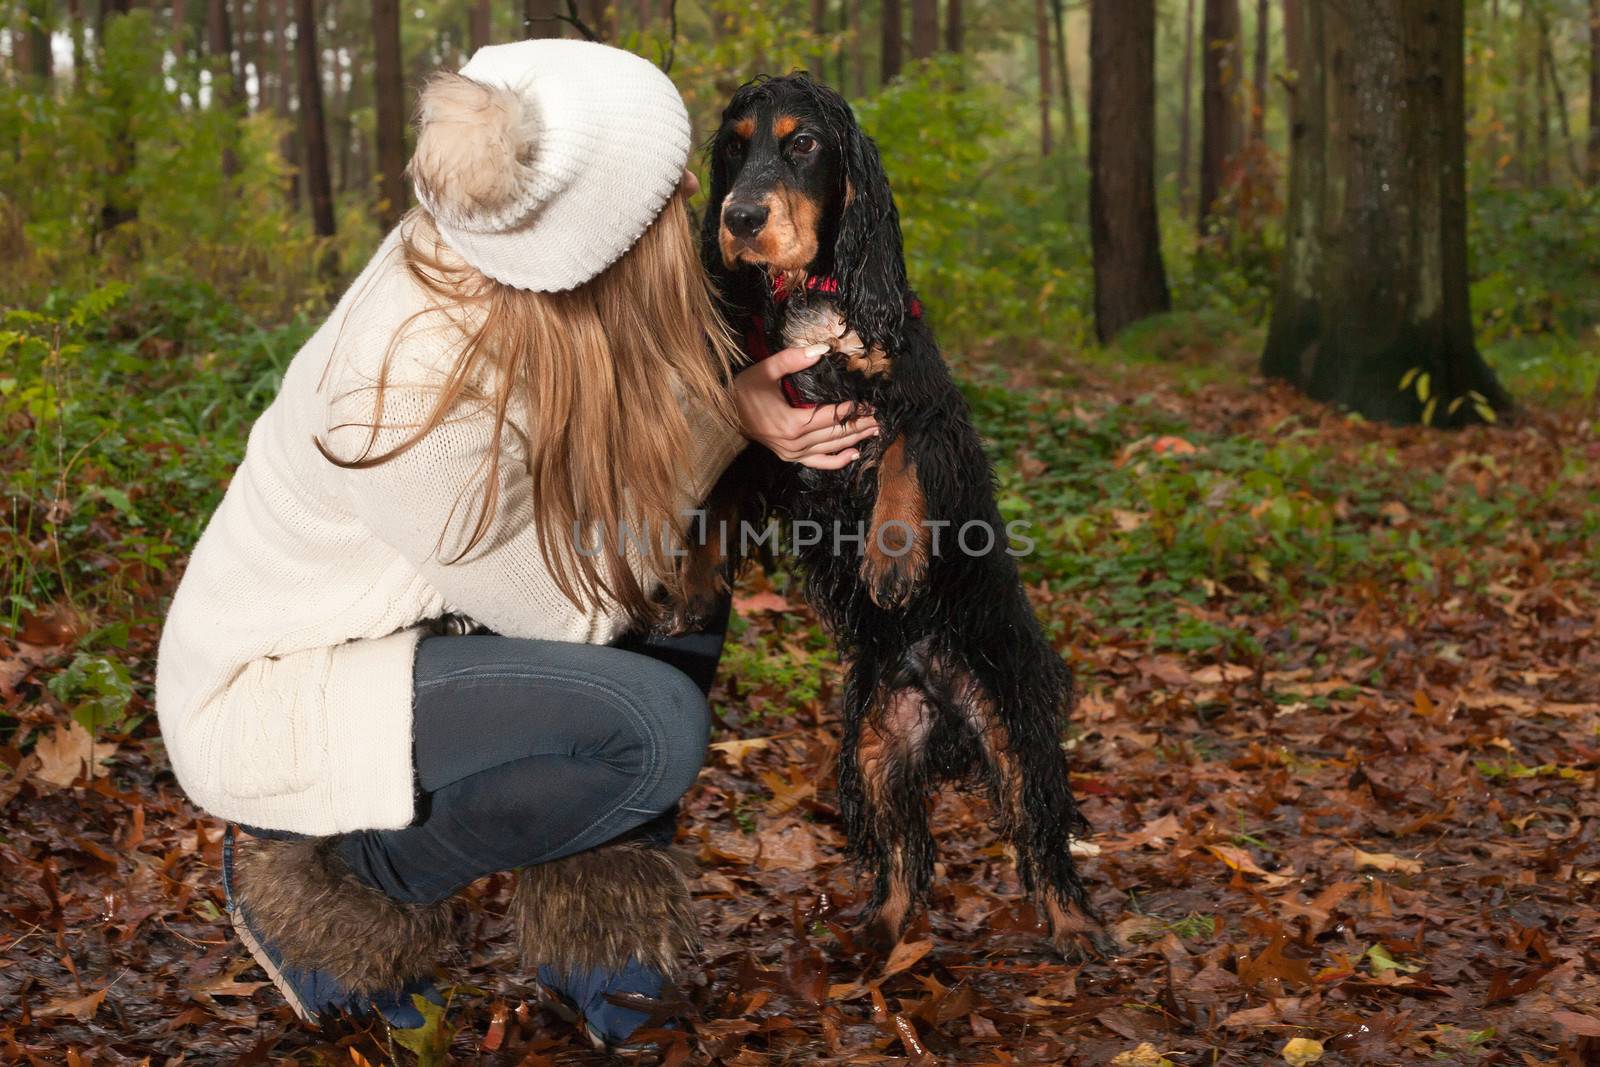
[(531, 365)]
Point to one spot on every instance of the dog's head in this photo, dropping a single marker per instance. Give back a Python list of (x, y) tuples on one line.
[(797, 189)]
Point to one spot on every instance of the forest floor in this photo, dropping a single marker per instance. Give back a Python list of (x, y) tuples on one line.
[(1338, 735)]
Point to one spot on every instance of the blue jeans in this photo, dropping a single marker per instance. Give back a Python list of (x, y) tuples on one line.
[(528, 751)]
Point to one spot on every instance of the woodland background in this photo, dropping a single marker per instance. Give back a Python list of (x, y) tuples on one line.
[(1217, 276)]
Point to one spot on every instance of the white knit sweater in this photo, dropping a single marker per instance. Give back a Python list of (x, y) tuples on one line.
[(284, 678)]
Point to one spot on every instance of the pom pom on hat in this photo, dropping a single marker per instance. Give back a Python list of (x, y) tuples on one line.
[(474, 145), (543, 161)]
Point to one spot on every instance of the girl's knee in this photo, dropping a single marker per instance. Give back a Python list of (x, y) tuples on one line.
[(679, 721)]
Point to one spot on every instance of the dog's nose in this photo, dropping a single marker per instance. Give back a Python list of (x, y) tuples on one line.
[(744, 220)]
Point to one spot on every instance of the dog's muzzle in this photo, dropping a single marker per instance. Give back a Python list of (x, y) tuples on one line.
[(744, 221)]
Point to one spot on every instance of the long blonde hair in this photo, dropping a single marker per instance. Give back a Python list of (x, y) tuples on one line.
[(606, 373)]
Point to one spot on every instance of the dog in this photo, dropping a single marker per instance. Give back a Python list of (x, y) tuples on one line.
[(949, 677)]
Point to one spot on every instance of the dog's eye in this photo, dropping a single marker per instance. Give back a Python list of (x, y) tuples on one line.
[(733, 147), (803, 144)]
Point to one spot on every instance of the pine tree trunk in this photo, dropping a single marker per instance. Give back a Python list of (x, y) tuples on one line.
[(892, 28), (75, 28), (1130, 281), (482, 24), (389, 92), (312, 125), (539, 18), (1374, 277), (1519, 99), (954, 30), (1041, 35), (1186, 112), (1594, 92), (1258, 106), (1541, 94), (1069, 117), (1291, 34), (226, 90), (1219, 104), (924, 28), (858, 48), (819, 30), (1558, 94), (40, 60)]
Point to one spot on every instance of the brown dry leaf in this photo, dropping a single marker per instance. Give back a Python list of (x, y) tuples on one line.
[(787, 793), (80, 1008), (1385, 861), (905, 956), (794, 848), (1575, 1024), (1238, 859), (765, 600), (65, 753), (1218, 673), (1142, 1055), (739, 748)]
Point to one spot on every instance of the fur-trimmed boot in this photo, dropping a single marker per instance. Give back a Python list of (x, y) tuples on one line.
[(329, 942), (613, 921)]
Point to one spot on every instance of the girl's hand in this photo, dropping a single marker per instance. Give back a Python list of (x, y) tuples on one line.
[(816, 437)]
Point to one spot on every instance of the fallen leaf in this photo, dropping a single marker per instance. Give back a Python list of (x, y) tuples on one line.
[(762, 601), (905, 956), (1301, 1051), (64, 754), (1142, 1055), (80, 1008), (1386, 861), (1575, 1024), (739, 748)]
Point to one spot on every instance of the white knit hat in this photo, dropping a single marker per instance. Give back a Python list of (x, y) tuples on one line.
[(543, 161)]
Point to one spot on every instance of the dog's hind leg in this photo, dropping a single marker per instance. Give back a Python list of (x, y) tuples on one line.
[(884, 798), (1026, 772)]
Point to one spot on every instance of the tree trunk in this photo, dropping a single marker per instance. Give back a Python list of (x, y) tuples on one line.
[(226, 88), (924, 28), (1258, 106), (954, 30), (40, 60), (892, 19), (389, 93), (819, 30), (1291, 35), (75, 28), (1186, 112), (1130, 282), (1541, 95), (481, 28), (858, 50), (1519, 99), (1069, 117), (312, 125), (1558, 94), (539, 18), (1594, 92), (1374, 278), (1041, 36), (1219, 104)]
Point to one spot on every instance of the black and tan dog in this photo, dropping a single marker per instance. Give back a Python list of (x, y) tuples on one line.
[(949, 675)]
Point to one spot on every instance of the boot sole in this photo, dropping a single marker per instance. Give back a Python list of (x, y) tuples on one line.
[(264, 961)]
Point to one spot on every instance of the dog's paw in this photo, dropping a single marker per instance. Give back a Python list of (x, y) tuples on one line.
[(1076, 933), (890, 579)]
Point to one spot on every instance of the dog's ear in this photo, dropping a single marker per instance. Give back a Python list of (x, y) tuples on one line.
[(867, 254), (711, 220)]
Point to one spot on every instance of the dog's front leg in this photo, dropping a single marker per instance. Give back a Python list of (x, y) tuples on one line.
[(895, 558)]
